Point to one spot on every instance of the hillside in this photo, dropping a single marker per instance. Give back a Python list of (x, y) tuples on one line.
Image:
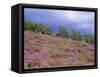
[(44, 51)]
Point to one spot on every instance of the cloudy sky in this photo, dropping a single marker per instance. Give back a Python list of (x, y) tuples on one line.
[(82, 21)]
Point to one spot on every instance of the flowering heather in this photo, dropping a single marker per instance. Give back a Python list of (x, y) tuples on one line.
[(44, 51)]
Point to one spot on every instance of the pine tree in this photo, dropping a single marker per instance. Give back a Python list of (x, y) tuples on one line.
[(87, 38), (75, 35), (63, 32)]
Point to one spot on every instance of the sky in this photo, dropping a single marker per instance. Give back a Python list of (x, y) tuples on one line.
[(83, 21)]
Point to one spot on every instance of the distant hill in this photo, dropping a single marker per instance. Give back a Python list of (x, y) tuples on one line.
[(44, 51)]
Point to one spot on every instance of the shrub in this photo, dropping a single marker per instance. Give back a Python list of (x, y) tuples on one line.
[(63, 32), (28, 26), (75, 35), (88, 38)]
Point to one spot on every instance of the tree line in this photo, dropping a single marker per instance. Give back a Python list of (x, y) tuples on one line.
[(62, 32)]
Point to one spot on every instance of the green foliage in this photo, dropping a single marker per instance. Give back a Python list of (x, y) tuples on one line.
[(28, 26), (75, 35), (88, 38), (63, 32), (45, 30), (92, 40)]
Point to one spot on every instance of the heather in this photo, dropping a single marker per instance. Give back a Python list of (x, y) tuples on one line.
[(43, 50)]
